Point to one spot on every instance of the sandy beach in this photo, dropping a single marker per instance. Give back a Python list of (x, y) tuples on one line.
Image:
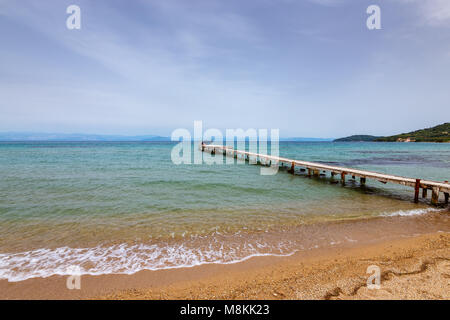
[(416, 267)]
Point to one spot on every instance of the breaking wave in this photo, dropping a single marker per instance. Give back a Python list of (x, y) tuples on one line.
[(129, 258), (125, 259), (412, 212)]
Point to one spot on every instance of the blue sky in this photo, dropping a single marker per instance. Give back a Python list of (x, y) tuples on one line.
[(310, 68)]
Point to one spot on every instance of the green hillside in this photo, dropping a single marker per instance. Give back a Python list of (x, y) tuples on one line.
[(440, 133), (357, 138)]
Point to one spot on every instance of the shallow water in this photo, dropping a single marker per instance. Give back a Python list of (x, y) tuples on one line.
[(124, 207)]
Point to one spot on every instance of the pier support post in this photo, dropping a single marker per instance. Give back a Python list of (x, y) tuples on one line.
[(343, 178), (309, 172), (316, 173), (446, 196), (362, 181), (435, 196), (292, 170), (416, 191), (332, 177), (424, 192)]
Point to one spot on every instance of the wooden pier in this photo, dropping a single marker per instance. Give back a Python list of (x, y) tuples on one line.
[(315, 169)]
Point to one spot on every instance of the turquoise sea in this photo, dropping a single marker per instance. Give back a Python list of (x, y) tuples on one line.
[(122, 207)]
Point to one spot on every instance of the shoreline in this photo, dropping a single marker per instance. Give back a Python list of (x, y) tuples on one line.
[(415, 267), (411, 268), (220, 249)]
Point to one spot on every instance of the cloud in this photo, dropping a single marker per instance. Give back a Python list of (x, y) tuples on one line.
[(329, 3), (434, 13), (229, 63), (164, 73)]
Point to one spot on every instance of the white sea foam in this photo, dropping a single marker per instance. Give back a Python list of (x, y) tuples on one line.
[(412, 212), (122, 259), (192, 251)]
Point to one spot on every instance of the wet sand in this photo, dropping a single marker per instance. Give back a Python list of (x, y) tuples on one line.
[(416, 267)]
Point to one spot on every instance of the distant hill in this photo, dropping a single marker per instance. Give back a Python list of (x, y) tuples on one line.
[(440, 133), (356, 138), (33, 136), (303, 139), (39, 136)]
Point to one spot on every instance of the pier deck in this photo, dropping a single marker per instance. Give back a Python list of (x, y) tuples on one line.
[(315, 168)]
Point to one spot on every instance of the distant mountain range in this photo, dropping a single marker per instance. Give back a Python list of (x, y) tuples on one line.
[(34, 136), (31, 136), (302, 139), (439, 133)]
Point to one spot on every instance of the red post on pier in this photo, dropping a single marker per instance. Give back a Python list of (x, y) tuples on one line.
[(417, 189), (292, 170), (343, 173)]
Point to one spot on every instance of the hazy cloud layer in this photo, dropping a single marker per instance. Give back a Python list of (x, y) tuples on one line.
[(310, 68)]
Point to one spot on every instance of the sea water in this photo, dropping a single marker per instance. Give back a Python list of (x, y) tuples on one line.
[(122, 207)]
